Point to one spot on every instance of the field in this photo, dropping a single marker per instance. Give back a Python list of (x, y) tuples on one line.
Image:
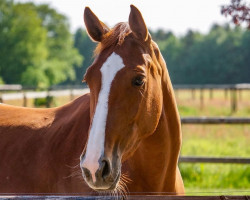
[(210, 140), (215, 141)]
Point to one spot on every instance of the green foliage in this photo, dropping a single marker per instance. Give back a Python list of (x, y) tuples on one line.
[(35, 76), (219, 57), (45, 102), (1, 80), (38, 49), (36, 45), (22, 40), (85, 47), (62, 56)]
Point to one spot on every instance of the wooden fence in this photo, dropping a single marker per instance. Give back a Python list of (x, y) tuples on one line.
[(233, 89), (185, 120), (10, 88), (43, 94), (215, 120), (135, 197), (218, 121)]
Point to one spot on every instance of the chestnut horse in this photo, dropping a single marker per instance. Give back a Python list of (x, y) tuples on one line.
[(128, 124)]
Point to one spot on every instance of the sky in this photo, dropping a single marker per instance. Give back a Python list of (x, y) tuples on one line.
[(178, 16)]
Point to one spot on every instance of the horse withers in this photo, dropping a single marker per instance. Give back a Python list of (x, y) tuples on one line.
[(127, 130)]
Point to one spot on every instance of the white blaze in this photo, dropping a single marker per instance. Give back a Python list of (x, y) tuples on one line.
[(95, 146)]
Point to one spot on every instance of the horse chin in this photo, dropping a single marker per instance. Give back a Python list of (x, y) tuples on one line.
[(106, 187)]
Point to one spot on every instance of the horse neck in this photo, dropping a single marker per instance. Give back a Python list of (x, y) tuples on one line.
[(68, 133), (158, 155)]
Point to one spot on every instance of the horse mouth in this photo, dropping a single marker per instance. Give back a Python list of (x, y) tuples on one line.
[(112, 187)]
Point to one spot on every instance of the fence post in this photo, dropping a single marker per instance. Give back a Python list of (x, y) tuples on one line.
[(201, 99), (71, 94), (233, 100), (25, 100), (48, 99)]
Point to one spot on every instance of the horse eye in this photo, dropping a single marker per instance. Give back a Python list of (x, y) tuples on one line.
[(138, 81)]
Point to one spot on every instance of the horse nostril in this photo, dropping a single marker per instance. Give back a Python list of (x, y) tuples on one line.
[(86, 172), (105, 169)]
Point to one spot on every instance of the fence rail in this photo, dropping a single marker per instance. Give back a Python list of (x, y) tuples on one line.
[(10, 87), (135, 197), (215, 120), (232, 88), (224, 160), (43, 94), (245, 86)]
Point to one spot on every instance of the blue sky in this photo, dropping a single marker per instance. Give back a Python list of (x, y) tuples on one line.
[(175, 15)]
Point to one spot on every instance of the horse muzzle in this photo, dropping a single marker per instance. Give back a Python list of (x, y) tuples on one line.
[(105, 178)]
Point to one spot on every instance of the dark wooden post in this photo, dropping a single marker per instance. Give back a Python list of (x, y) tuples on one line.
[(1, 98), (233, 100), (25, 100), (201, 99), (71, 94), (48, 99)]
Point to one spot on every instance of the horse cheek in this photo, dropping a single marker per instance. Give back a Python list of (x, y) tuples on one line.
[(152, 109)]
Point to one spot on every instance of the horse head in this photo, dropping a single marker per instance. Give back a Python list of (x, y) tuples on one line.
[(126, 96)]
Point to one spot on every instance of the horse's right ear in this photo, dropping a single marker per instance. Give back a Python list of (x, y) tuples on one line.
[(137, 24), (95, 28)]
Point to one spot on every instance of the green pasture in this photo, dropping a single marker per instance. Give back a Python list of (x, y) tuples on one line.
[(217, 105), (215, 141)]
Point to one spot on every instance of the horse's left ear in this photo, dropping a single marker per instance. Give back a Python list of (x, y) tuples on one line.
[(137, 24)]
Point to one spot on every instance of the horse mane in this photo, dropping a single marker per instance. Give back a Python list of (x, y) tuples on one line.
[(114, 37)]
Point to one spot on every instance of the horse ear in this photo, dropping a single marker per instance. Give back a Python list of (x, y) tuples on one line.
[(137, 24), (95, 28)]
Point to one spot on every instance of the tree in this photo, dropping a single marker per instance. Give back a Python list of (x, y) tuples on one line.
[(219, 57), (239, 11), (22, 41), (36, 45), (86, 47), (62, 57)]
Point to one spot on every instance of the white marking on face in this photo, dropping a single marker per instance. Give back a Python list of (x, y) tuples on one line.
[(95, 146)]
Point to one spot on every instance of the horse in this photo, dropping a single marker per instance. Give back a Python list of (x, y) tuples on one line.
[(126, 131)]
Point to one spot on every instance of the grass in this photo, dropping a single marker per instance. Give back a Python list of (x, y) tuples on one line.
[(215, 141), (217, 106), (210, 140)]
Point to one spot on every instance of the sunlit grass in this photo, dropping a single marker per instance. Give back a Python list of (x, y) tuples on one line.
[(216, 141), (218, 105)]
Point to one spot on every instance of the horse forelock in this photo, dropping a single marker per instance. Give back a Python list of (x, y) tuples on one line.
[(114, 37)]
